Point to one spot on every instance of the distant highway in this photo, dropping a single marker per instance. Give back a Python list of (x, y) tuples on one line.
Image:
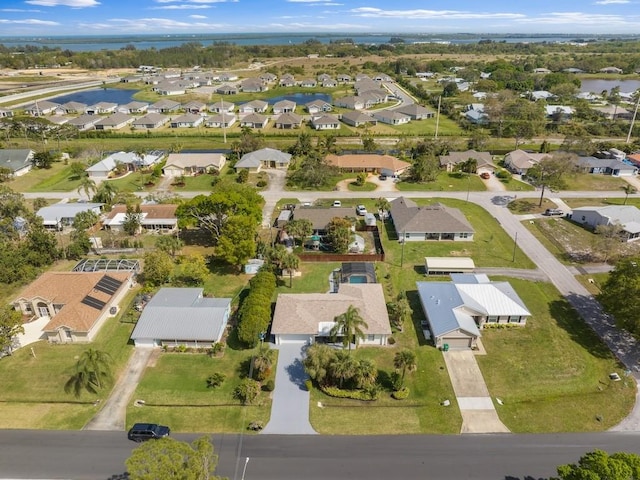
[(16, 97)]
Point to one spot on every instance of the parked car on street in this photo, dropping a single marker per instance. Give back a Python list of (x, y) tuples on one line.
[(141, 432), (361, 210)]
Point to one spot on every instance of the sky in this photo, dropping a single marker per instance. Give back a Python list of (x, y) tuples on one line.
[(117, 17)]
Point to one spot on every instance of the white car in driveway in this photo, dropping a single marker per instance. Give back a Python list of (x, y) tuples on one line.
[(361, 210)]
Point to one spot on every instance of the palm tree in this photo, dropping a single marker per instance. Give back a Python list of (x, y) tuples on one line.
[(383, 205), (262, 363), (365, 374), (404, 360), (290, 262), (349, 325), (106, 192), (87, 185), (342, 368), (92, 369), (316, 362), (628, 190)]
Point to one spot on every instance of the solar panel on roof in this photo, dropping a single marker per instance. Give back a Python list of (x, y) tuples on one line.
[(108, 285), (93, 302)]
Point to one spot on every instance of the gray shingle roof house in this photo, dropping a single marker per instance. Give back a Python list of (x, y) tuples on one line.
[(391, 117), (265, 157), (309, 317), (430, 222), (519, 161), (115, 121), (606, 166), (150, 120), (627, 216), (320, 217), (18, 161), (84, 121), (288, 120), (164, 106), (182, 316), (254, 106), (254, 120), (325, 122), (356, 119), (415, 111), (456, 311)]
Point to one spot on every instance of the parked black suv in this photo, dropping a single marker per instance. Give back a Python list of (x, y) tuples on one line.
[(147, 431)]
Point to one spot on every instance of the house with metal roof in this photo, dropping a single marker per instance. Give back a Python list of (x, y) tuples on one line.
[(131, 160), (74, 305), (438, 222), (60, 215), (154, 218), (182, 316), (17, 161), (626, 216), (458, 310), (309, 317), (264, 158)]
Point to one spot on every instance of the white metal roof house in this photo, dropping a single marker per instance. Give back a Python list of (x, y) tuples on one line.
[(309, 317), (627, 216), (103, 168), (182, 316), (60, 215), (429, 222), (456, 311), (18, 161), (264, 158)]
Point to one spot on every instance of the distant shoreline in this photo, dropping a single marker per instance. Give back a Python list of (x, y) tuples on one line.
[(143, 42)]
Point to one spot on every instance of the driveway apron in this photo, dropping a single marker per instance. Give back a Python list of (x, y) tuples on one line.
[(478, 412), (290, 408), (113, 415)]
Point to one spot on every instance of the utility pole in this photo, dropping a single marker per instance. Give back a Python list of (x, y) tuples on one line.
[(515, 245), (224, 124), (404, 240), (633, 120), (438, 117)]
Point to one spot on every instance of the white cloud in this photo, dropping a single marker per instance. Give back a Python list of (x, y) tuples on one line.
[(577, 18), (197, 17), (20, 10), (64, 3), (370, 12), (29, 21), (611, 2), (182, 6), (146, 25)]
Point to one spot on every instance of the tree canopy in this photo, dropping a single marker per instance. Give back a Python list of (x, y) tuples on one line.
[(599, 465), (171, 459), (620, 294)]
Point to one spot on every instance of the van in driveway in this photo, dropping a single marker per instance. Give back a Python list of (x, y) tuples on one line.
[(553, 212)]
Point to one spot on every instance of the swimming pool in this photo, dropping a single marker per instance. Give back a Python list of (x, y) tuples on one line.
[(358, 279)]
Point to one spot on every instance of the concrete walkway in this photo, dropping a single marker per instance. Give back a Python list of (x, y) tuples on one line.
[(478, 412), (114, 413), (290, 408)]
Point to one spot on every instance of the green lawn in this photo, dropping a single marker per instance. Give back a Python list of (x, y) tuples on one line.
[(553, 374), (589, 182), (366, 187), (420, 413), (32, 393), (133, 182), (491, 247), (176, 393), (55, 179), (446, 182)]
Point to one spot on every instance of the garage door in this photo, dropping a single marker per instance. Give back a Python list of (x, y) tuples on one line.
[(457, 343), (280, 339)]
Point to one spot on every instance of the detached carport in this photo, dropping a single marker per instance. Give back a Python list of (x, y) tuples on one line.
[(447, 265)]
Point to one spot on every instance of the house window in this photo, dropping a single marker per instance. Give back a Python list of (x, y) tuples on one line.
[(68, 334), (371, 338), (514, 319), (28, 308), (584, 218), (464, 235), (492, 319)]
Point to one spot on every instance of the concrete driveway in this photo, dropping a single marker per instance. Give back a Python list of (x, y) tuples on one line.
[(478, 412), (290, 408)]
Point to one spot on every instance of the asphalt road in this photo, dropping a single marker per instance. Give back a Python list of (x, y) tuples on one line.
[(101, 455)]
